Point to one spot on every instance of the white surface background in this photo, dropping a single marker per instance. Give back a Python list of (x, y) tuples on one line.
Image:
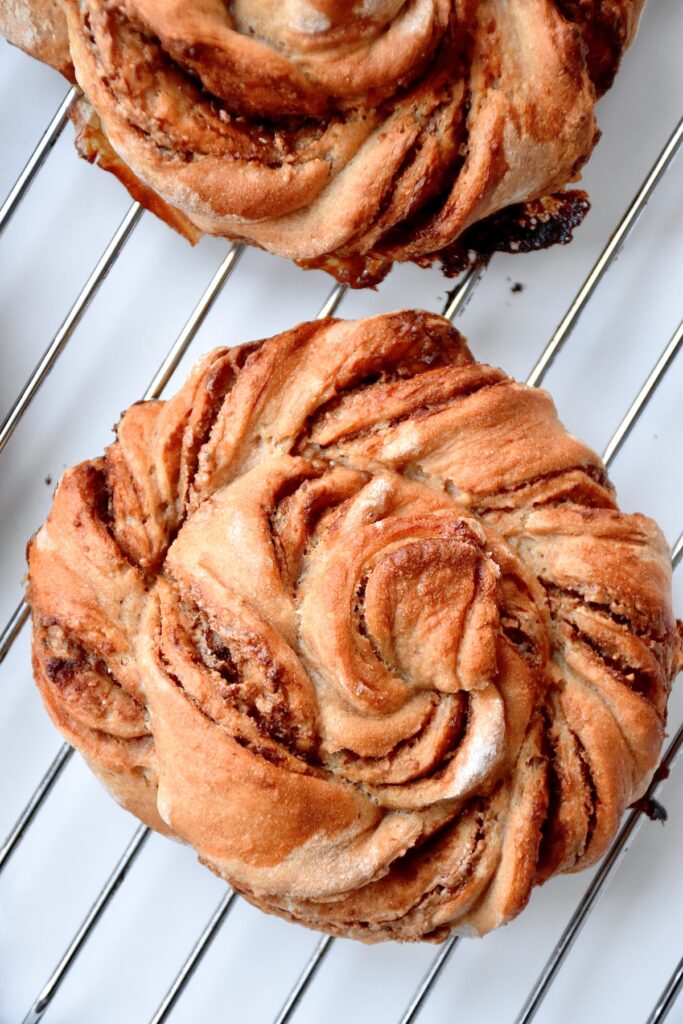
[(634, 939)]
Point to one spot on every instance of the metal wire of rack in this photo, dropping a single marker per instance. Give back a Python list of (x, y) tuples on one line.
[(456, 304)]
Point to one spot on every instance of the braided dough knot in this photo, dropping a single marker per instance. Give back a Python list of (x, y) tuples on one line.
[(342, 135), (354, 616)]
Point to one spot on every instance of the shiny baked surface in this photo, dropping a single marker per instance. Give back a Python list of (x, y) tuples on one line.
[(356, 617)]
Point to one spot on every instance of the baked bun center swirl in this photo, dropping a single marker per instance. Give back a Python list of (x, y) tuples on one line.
[(404, 600), (354, 616)]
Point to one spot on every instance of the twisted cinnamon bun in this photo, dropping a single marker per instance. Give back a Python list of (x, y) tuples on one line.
[(347, 136), (354, 616)]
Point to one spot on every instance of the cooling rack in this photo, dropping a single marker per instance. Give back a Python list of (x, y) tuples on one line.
[(100, 304)]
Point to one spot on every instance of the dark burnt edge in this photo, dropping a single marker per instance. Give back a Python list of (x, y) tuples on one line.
[(607, 48), (651, 807), (520, 228)]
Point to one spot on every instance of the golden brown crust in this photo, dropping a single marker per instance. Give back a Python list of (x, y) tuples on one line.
[(347, 136), (93, 145), (39, 28), (354, 616)]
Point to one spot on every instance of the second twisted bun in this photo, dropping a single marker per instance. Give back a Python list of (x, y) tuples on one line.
[(346, 136), (354, 616)]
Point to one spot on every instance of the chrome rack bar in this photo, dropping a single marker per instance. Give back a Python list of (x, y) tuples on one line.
[(425, 986), (668, 997), (204, 941), (21, 614), (643, 396), (99, 906), (197, 318), (677, 552), (159, 381), (189, 967), (569, 321), (13, 628), (460, 296), (37, 158), (73, 318), (304, 979), (331, 303), (35, 803)]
